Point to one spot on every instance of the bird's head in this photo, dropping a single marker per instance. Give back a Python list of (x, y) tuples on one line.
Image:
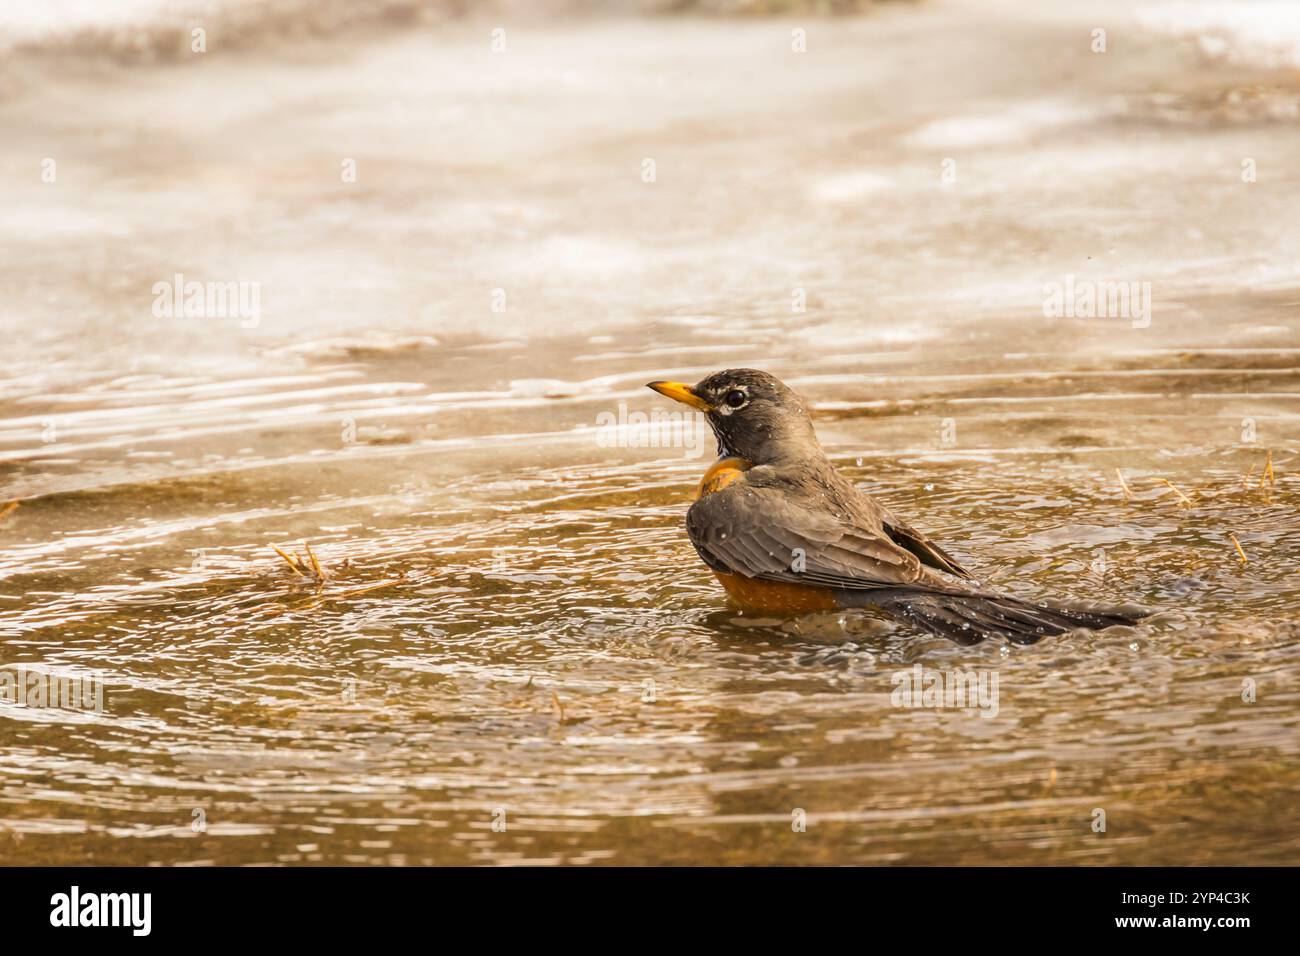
[(753, 414)]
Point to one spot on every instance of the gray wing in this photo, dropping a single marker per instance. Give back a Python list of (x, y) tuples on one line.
[(926, 551), (763, 533)]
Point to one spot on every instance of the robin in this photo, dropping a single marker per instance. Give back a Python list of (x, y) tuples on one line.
[(786, 533)]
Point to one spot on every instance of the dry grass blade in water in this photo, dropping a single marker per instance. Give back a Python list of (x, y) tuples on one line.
[(309, 568), (1128, 493), (1183, 500), (304, 567), (320, 574), (290, 560), (1268, 472)]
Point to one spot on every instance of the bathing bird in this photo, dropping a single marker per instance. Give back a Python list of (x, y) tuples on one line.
[(786, 533)]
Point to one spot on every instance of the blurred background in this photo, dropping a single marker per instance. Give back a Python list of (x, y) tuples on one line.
[(438, 244)]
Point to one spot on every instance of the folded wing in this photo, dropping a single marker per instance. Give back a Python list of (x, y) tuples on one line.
[(763, 533)]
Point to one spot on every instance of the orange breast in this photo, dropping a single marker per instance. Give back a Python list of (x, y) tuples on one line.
[(720, 474), (773, 597), (750, 594)]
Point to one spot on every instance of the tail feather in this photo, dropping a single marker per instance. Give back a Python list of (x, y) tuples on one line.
[(969, 618)]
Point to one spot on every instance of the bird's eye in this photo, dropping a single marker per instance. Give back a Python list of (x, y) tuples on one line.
[(735, 398)]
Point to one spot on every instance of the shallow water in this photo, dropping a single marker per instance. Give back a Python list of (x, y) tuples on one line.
[(513, 626)]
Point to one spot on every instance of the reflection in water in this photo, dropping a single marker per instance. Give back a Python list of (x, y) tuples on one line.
[(513, 627)]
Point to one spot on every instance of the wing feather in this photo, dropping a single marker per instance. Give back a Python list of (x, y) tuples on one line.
[(760, 532)]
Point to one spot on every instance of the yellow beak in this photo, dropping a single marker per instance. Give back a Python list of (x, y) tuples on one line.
[(679, 392)]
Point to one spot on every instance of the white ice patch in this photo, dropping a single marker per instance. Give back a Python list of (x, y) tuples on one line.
[(33, 22), (1009, 125), (584, 257), (544, 388), (858, 334), (1254, 32), (849, 186)]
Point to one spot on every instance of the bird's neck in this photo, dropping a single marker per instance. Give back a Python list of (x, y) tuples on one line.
[(787, 454)]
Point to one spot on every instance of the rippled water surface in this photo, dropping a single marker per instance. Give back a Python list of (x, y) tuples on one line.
[(513, 626)]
